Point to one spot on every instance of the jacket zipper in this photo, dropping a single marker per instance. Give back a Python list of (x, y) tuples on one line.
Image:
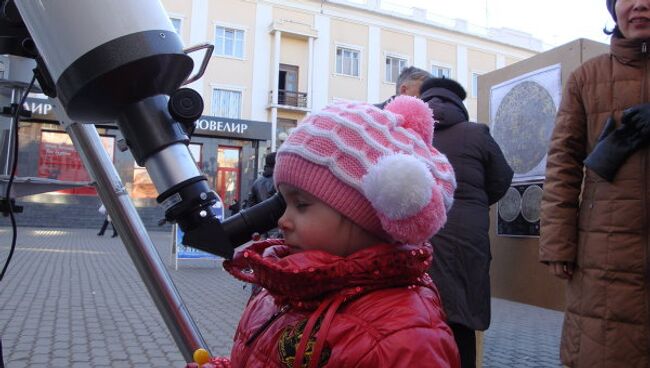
[(644, 97), (266, 324)]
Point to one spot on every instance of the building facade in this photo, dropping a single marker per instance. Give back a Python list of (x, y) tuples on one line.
[(274, 61)]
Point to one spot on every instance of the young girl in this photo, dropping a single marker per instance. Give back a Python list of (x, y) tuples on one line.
[(347, 286)]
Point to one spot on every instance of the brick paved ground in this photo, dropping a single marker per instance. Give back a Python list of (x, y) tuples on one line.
[(522, 336), (72, 299)]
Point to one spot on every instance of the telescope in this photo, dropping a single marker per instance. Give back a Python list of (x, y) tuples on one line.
[(121, 61)]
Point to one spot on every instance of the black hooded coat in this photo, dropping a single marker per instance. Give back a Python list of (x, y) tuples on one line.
[(461, 262)]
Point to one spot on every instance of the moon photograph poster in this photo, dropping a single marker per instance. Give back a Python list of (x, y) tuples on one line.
[(522, 115)]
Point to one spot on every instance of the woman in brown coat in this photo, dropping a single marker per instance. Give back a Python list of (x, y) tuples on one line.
[(595, 222)]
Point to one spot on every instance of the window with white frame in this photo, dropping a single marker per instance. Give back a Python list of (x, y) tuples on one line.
[(347, 61), (394, 66), (226, 103), (176, 22), (475, 84), (440, 71), (229, 42)]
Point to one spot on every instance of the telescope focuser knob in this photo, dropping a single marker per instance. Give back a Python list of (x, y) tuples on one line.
[(185, 106)]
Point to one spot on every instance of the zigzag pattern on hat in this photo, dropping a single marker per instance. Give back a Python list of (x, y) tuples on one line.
[(340, 134)]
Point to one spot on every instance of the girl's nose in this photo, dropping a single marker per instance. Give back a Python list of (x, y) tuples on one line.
[(283, 222)]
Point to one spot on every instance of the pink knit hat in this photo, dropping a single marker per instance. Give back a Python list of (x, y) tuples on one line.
[(376, 167)]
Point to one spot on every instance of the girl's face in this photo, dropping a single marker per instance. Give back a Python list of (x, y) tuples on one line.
[(633, 18), (310, 224)]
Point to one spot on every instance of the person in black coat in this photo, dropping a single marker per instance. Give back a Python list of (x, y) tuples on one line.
[(461, 262), (263, 188)]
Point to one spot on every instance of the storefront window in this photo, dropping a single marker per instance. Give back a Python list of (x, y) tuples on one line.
[(58, 159), (285, 127), (143, 186), (228, 159)]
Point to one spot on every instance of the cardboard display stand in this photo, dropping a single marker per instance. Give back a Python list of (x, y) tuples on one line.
[(519, 103)]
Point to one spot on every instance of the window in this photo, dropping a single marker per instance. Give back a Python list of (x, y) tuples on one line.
[(347, 61), (176, 22), (440, 71), (229, 42), (143, 187), (227, 186), (288, 78), (58, 159), (394, 66), (288, 94), (475, 84), (226, 103)]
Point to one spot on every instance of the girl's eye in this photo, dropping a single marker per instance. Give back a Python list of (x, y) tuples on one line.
[(302, 205)]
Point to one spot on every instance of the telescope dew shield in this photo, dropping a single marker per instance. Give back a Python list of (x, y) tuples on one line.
[(104, 54)]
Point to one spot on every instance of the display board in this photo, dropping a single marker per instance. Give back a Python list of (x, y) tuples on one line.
[(519, 209), (522, 115)]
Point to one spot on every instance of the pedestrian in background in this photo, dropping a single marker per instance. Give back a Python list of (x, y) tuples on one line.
[(234, 207), (461, 263), (107, 220), (408, 83), (263, 189), (594, 222), (347, 286)]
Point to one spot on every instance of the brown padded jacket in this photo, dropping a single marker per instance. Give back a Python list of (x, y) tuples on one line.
[(600, 226)]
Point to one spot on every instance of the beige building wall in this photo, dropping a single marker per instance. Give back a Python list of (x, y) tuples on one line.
[(395, 44), (227, 72), (293, 17), (294, 52), (442, 54), (479, 62), (180, 9), (355, 37), (309, 32), (293, 115)]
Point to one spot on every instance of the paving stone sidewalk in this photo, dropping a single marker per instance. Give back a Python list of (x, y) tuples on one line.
[(73, 299)]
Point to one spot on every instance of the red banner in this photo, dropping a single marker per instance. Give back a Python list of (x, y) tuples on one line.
[(58, 159)]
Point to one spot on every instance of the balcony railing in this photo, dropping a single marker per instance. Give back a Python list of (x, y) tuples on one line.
[(290, 98)]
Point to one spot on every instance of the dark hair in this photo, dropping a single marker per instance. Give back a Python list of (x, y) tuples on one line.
[(446, 83), (615, 32), (269, 160), (410, 74)]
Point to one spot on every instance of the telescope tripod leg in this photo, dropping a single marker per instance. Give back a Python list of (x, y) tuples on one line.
[(138, 244)]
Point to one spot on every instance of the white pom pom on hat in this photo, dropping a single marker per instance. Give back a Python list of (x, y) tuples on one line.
[(398, 196), (408, 201)]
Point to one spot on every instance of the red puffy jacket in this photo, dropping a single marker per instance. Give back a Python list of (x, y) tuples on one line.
[(375, 308)]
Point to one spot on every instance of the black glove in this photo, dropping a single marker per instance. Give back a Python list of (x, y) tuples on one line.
[(615, 145)]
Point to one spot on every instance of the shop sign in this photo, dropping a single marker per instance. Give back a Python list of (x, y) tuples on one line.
[(233, 128), (40, 108)]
